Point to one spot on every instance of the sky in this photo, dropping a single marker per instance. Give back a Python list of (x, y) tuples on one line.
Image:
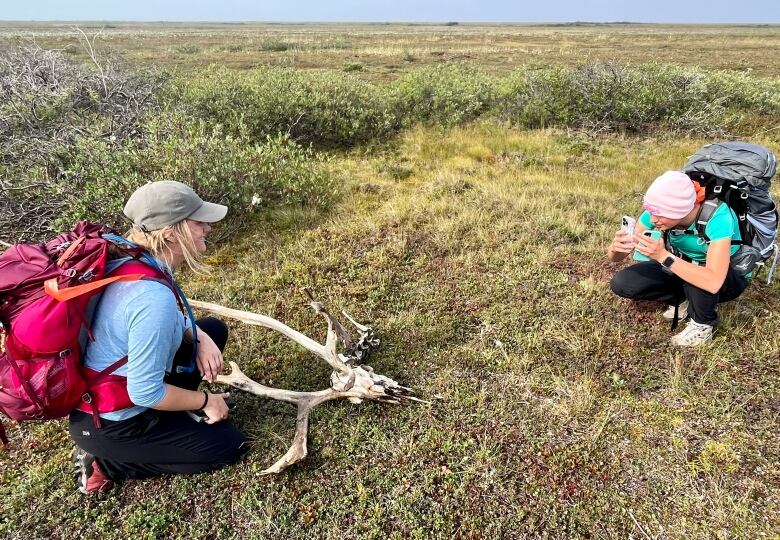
[(670, 11)]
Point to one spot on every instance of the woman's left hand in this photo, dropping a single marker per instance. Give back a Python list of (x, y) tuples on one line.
[(655, 249), (209, 357)]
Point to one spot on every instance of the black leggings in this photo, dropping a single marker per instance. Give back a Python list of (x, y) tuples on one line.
[(162, 442), (650, 281)]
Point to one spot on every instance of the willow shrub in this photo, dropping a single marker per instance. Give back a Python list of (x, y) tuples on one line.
[(639, 99), (445, 95), (327, 109), (227, 169), (334, 109)]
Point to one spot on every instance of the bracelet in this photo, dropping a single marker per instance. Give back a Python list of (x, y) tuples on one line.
[(205, 401)]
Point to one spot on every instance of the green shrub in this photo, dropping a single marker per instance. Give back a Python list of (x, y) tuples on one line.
[(331, 109), (275, 46), (353, 66), (537, 97), (329, 44), (328, 109), (97, 176), (612, 97), (186, 48), (245, 176), (743, 91), (444, 94)]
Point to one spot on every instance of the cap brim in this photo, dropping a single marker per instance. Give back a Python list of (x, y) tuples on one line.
[(209, 212)]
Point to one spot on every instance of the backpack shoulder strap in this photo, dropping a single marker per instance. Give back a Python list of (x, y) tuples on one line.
[(707, 210), (148, 272), (134, 267), (143, 270)]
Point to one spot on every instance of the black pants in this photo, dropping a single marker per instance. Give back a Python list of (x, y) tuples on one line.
[(162, 442), (650, 281)]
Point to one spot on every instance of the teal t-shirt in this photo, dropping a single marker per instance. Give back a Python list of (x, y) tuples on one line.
[(722, 224)]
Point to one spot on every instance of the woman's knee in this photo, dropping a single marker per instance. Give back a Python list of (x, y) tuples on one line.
[(234, 447), (622, 284)]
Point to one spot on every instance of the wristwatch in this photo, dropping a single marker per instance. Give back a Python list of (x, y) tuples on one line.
[(669, 261)]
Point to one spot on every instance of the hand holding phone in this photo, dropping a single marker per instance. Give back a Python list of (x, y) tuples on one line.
[(624, 238), (627, 223), (654, 234)]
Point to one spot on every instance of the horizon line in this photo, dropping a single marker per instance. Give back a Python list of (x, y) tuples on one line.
[(437, 23)]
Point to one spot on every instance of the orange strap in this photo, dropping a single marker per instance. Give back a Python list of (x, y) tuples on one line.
[(52, 288), (701, 194), (68, 252)]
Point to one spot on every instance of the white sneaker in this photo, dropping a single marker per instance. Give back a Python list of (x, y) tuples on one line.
[(682, 312), (693, 335)]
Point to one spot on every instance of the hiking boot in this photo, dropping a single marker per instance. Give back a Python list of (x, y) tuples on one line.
[(89, 477), (693, 335), (682, 312)]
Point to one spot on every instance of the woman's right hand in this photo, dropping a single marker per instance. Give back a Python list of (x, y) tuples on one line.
[(621, 246), (216, 409), (623, 242)]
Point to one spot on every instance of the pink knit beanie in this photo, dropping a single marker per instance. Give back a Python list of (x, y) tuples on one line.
[(671, 195)]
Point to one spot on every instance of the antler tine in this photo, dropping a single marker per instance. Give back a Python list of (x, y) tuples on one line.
[(318, 307), (362, 328), (298, 450), (235, 375), (335, 332)]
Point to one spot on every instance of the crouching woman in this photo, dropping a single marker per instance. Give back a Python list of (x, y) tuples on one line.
[(699, 275), (143, 321)]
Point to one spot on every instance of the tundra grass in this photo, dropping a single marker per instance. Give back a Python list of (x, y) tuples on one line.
[(382, 51), (556, 409)]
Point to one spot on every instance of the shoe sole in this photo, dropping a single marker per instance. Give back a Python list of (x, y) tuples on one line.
[(675, 344)]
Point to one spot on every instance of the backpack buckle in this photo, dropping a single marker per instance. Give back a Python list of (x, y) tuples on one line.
[(86, 276), (717, 189), (65, 353), (86, 398), (743, 195)]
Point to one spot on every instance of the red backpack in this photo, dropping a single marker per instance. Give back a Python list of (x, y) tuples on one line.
[(45, 311)]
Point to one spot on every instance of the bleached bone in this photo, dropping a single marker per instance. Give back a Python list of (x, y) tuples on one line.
[(348, 380)]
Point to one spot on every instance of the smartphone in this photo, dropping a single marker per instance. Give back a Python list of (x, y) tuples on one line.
[(627, 223), (655, 234)]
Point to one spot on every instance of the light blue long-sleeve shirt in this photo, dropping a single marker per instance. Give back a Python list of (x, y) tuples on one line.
[(139, 319)]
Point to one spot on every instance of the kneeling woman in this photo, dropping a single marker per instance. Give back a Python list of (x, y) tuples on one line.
[(700, 277), (152, 433)]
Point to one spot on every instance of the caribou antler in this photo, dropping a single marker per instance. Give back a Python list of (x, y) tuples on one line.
[(348, 381)]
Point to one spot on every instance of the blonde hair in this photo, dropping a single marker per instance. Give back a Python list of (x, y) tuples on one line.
[(159, 244)]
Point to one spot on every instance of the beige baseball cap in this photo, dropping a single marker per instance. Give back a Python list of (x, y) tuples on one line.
[(158, 204)]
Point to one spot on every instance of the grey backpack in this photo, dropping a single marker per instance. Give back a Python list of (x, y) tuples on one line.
[(739, 174)]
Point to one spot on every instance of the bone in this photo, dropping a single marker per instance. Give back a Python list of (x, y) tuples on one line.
[(353, 382)]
